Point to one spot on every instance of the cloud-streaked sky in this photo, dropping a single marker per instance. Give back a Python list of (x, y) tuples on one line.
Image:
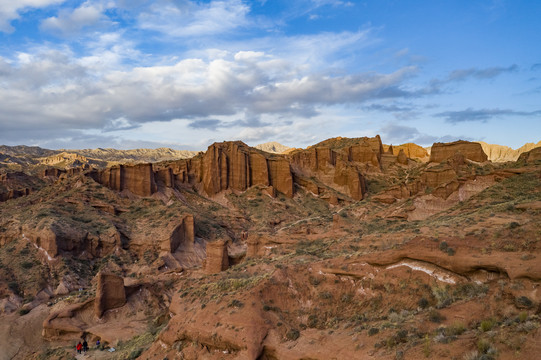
[(183, 74)]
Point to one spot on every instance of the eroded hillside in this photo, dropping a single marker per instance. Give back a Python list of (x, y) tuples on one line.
[(347, 249)]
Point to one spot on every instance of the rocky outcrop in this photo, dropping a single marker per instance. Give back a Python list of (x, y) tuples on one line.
[(138, 179), (402, 158), (234, 166), (217, 257), (440, 152), (531, 156), (110, 293), (335, 169), (181, 234), (281, 176), (412, 151), (56, 237)]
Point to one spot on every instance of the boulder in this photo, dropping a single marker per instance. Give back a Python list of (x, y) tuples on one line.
[(440, 152), (110, 293)]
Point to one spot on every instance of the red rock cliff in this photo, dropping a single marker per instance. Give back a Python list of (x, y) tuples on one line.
[(471, 150)]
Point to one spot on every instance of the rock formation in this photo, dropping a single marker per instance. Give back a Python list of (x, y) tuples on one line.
[(412, 151), (440, 152), (138, 179), (531, 156), (182, 234), (110, 293), (217, 257)]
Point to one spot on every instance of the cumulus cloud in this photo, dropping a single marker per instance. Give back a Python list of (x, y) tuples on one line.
[(71, 21), (482, 115), (52, 88), (11, 9), (188, 19)]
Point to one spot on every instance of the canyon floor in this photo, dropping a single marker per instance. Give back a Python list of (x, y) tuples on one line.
[(345, 250)]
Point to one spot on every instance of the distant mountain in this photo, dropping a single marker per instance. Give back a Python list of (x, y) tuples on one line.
[(501, 153), (134, 155), (273, 147), (22, 157)]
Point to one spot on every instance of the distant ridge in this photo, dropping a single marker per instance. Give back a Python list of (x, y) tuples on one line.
[(134, 155), (273, 147)]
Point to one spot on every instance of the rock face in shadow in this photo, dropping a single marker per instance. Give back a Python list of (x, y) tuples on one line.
[(531, 156), (110, 293), (217, 257), (472, 151)]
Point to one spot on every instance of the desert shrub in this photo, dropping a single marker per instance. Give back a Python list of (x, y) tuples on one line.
[(236, 303), (455, 329), (443, 246), (443, 296), (523, 316), (135, 354), (373, 331), (312, 321), (423, 303), (24, 311), (470, 290), (325, 295), (486, 350), (435, 316), (514, 225), (523, 302), (487, 325), (293, 334), (27, 265)]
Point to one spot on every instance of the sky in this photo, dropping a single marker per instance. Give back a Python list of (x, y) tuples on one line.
[(184, 74)]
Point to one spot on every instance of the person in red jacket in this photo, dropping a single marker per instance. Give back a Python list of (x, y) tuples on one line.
[(79, 347)]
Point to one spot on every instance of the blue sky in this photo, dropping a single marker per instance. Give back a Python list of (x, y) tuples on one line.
[(184, 74)]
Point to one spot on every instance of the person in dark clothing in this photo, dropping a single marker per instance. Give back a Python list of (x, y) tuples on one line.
[(79, 347), (85, 346)]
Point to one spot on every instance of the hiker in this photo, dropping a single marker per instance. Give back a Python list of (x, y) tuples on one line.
[(85, 346), (79, 347), (98, 344)]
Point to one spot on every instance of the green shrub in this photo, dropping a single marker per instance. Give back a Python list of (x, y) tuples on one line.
[(487, 325)]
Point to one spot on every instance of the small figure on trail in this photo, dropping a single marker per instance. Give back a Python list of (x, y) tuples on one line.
[(85, 346), (98, 344), (79, 347)]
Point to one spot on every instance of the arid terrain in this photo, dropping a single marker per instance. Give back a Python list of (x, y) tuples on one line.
[(348, 249)]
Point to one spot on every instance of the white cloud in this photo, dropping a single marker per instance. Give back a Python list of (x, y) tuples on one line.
[(194, 19), (53, 88), (71, 21), (10, 10)]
